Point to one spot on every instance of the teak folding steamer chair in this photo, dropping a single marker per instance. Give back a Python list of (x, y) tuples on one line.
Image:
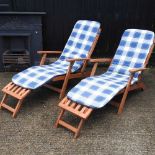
[(124, 75), (71, 64)]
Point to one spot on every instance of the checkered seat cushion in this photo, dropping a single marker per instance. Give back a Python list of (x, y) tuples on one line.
[(78, 46), (97, 91)]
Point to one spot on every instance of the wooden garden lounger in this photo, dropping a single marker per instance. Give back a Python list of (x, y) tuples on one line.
[(123, 75), (71, 64)]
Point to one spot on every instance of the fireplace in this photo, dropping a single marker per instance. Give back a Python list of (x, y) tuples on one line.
[(16, 60), (16, 51), (20, 39)]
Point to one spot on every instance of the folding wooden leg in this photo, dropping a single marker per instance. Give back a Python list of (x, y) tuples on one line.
[(136, 86), (19, 103), (79, 128), (64, 87), (121, 106), (15, 91), (81, 111), (59, 117), (3, 100)]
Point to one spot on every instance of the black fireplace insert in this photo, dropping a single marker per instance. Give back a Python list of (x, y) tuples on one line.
[(20, 39)]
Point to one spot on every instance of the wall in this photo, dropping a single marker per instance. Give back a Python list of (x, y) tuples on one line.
[(114, 15)]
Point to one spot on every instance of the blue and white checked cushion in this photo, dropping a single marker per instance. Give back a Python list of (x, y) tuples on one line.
[(97, 91), (132, 51), (78, 46), (80, 41)]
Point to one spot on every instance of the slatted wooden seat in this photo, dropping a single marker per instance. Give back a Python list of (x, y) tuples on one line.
[(15, 91)]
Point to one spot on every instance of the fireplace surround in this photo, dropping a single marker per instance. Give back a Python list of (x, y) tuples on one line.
[(20, 39)]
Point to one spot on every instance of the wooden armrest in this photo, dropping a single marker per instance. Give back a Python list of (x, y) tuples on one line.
[(96, 61), (44, 55), (134, 70), (101, 60), (77, 59), (49, 52)]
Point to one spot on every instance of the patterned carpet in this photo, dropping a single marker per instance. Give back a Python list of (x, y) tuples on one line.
[(105, 133)]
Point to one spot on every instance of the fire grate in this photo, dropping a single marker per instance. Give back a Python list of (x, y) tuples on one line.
[(15, 60)]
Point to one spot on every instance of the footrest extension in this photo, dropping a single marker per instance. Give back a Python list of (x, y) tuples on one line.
[(16, 91), (79, 110)]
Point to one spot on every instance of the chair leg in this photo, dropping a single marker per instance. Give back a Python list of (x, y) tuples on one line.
[(15, 110), (3, 100), (19, 103), (75, 130), (140, 85), (64, 87), (59, 121), (59, 118), (121, 106), (62, 94), (79, 128)]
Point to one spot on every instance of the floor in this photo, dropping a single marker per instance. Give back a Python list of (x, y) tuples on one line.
[(105, 133)]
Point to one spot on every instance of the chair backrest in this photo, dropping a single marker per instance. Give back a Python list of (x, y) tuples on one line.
[(132, 51), (80, 41)]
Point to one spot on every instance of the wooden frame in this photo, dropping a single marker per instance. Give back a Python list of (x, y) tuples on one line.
[(77, 109), (15, 91)]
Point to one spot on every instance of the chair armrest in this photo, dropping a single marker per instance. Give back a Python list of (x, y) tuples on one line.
[(77, 59), (44, 55), (96, 61), (49, 52), (134, 70), (101, 60)]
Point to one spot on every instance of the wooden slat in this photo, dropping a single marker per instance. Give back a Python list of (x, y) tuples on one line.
[(27, 91), (22, 92), (7, 107), (68, 126), (84, 110), (73, 105), (78, 107), (11, 86), (49, 52), (67, 103), (18, 90), (86, 114), (64, 100), (8, 86), (14, 88)]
